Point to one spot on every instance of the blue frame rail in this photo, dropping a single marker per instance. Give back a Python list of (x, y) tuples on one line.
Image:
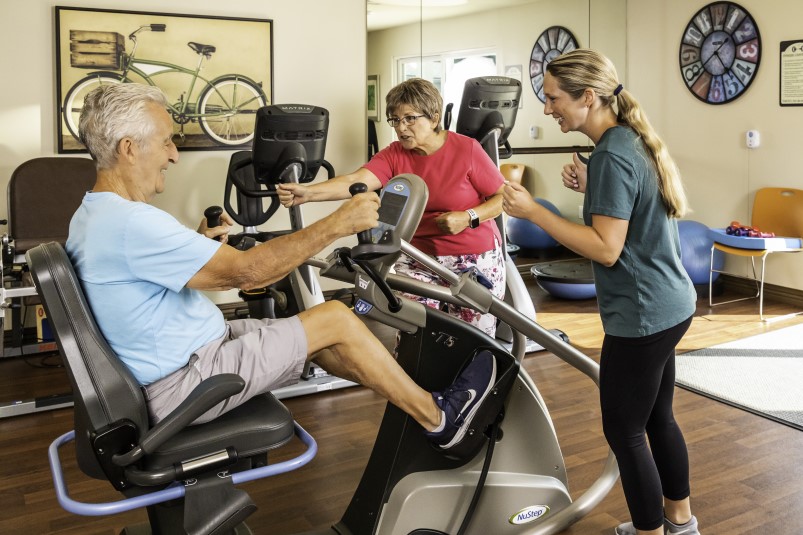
[(174, 491)]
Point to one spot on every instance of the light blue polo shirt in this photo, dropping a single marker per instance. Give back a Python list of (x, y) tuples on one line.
[(134, 262)]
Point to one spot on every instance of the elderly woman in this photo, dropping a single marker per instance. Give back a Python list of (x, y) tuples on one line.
[(465, 193)]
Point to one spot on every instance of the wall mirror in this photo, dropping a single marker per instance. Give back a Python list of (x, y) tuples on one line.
[(439, 35), (448, 40)]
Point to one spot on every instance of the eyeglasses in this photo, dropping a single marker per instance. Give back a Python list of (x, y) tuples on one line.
[(408, 120)]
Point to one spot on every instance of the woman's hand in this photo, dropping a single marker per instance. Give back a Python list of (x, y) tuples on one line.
[(517, 201), (574, 174), (453, 222), (292, 194)]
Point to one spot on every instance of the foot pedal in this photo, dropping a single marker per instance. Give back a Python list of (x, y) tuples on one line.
[(507, 368), (213, 506)]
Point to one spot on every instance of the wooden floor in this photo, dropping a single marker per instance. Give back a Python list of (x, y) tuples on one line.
[(746, 470)]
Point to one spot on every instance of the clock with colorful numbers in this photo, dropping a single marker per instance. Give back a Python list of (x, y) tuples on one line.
[(720, 52), (550, 44)]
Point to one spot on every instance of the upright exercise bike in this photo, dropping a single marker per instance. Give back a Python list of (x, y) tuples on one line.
[(289, 145), (487, 113)]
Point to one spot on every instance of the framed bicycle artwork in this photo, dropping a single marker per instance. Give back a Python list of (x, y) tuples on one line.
[(215, 71)]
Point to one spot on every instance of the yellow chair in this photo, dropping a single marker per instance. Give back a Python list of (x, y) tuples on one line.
[(776, 210), (512, 172)]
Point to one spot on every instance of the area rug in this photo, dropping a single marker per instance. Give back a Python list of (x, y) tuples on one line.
[(762, 374)]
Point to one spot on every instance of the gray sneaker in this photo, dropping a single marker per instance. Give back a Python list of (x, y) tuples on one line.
[(625, 529), (689, 528)]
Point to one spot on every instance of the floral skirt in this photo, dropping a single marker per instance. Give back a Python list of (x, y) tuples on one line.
[(491, 264)]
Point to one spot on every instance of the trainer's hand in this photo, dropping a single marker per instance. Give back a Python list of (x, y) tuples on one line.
[(516, 200), (292, 194), (453, 222), (221, 232), (360, 212), (574, 174)]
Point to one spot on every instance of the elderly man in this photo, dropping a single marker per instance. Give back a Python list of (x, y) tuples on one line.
[(143, 273)]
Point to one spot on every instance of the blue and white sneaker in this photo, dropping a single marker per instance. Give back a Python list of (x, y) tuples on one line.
[(461, 400)]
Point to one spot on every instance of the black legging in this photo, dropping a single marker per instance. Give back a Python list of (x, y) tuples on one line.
[(637, 382)]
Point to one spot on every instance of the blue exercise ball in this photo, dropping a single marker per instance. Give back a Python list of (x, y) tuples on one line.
[(566, 279), (567, 290), (527, 234), (695, 248)]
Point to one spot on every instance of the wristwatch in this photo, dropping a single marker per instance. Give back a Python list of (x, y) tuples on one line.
[(474, 219)]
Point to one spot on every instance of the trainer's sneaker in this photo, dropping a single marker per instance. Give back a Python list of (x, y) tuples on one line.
[(460, 401), (625, 529), (689, 528)]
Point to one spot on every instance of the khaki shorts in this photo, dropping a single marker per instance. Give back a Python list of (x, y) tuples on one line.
[(268, 354)]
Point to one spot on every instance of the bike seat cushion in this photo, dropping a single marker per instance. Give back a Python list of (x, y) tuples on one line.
[(201, 48)]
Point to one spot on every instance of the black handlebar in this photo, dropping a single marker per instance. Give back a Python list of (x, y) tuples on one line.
[(447, 116), (357, 187), (364, 236), (507, 153), (158, 27), (212, 215)]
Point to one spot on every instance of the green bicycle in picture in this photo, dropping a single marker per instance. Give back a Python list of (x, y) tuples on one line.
[(225, 107)]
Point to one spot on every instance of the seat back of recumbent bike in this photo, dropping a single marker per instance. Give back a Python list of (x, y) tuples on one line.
[(114, 438)]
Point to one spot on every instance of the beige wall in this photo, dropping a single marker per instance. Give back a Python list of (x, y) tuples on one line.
[(322, 67), (708, 142), (511, 33), (311, 66)]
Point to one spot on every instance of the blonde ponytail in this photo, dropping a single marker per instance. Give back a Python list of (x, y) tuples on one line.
[(584, 68), (669, 182)]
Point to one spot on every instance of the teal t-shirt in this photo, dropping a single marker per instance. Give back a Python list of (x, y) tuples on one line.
[(647, 290), (134, 261)]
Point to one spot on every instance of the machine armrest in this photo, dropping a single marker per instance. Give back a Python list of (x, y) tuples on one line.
[(206, 395)]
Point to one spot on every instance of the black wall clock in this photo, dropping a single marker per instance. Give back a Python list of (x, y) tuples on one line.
[(720, 52), (553, 42)]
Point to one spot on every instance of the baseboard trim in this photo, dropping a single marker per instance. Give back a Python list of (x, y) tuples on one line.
[(783, 294), (790, 296)]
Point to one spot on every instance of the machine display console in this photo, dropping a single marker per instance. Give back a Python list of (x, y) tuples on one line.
[(393, 202)]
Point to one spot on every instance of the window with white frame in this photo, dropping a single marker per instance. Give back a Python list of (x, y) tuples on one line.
[(449, 72)]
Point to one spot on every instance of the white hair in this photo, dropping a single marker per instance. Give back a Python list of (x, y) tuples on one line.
[(112, 112)]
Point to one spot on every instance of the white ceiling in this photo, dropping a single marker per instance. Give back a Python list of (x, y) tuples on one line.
[(388, 13)]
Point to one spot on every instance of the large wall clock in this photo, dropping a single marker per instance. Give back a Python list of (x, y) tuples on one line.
[(553, 42), (720, 52)]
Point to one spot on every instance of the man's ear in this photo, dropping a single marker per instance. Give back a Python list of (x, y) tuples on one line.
[(126, 149)]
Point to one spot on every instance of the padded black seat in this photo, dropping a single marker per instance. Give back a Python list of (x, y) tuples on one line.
[(114, 439), (261, 424)]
